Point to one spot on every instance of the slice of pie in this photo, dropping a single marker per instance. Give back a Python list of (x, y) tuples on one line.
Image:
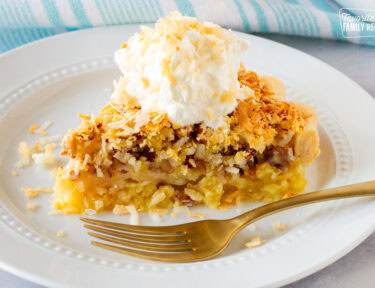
[(187, 125)]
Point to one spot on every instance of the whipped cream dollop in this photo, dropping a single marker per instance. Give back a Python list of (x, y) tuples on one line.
[(184, 68)]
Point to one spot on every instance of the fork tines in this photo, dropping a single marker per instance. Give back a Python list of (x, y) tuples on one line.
[(163, 243)]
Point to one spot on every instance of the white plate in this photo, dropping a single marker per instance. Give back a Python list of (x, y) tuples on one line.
[(58, 77)]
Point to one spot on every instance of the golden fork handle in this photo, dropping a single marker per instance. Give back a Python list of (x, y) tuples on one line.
[(354, 190)]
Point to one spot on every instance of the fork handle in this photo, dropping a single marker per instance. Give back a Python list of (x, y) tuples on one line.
[(354, 190)]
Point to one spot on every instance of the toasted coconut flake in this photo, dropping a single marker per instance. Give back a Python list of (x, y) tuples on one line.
[(61, 233), (279, 226), (182, 141), (86, 160), (232, 170), (196, 215), (255, 241), (223, 207), (29, 192), (33, 128), (31, 206), (45, 126), (43, 133), (174, 215), (15, 173), (181, 209), (99, 204), (90, 212), (193, 194), (157, 198), (84, 117), (25, 151), (47, 140), (134, 218), (45, 190), (120, 210), (159, 211), (99, 172), (47, 159)]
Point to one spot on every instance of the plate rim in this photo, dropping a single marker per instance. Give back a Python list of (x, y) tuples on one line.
[(366, 233)]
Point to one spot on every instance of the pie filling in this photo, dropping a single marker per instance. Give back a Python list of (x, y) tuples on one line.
[(259, 155)]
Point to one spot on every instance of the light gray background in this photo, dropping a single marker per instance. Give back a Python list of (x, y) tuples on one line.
[(357, 269)]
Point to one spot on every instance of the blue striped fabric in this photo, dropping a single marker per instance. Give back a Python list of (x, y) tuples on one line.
[(23, 21)]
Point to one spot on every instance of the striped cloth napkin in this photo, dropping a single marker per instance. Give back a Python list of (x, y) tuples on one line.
[(22, 21)]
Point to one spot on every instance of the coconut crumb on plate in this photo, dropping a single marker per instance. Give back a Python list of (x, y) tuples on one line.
[(33, 128), (30, 192), (34, 192), (15, 173), (159, 211), (174, 215), (196, 215), (255, 241), (25, 151), (279, 226), (61, 233), (181, 209), (47, 159), (31, 206), (43, 133)]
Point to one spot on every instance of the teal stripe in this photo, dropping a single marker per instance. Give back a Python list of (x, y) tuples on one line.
[(127, 9), (148, 10), (261, 16), (332, 15), (283, 11), (160, 10), (24, 34), (140, 10), (114, 12), (281, 23), (107, 12), (7, 40), (21, 15), (7, 37), (245, 21), (290, 9), (307, 21), (24, 13), (15, 35), (185, 7), (154, 12), (298, 14), (134, 10), (53, 13), (121, 11), (315, 22), (101, 12), (80, 13), (30, 17)]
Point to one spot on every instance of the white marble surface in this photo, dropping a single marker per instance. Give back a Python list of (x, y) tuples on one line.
[(357, 269)]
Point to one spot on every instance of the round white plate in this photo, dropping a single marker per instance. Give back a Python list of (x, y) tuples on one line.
[(56, 78)]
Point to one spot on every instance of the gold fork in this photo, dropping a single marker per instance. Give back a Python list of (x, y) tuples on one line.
[(204, 239)]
